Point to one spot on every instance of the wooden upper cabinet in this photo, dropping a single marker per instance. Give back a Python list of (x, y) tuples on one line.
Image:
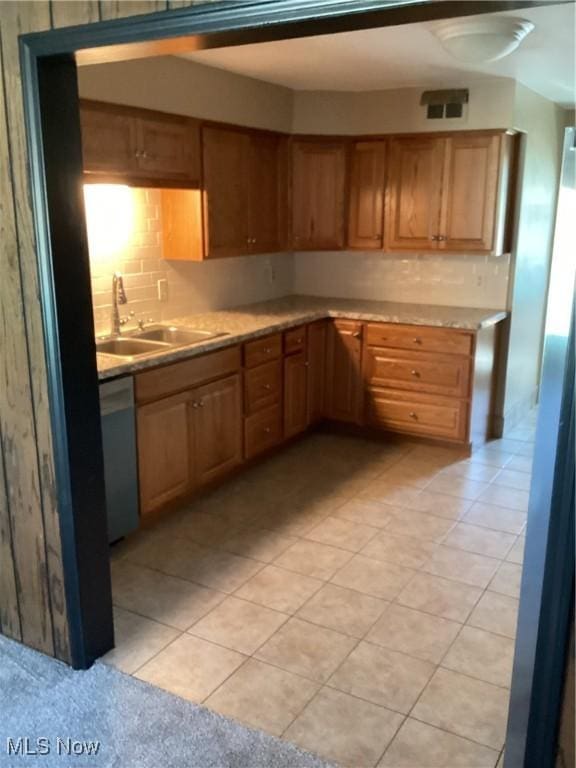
[(109, 139), (169, 147), (226, 189), (139, 145), (267, 193), (472, 216), (318, 194), (344, 386), (217, 415), (414, 188), (367, 180), (450, 193)]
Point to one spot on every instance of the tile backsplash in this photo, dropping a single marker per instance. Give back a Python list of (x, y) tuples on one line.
[(468, 280), (124, 235)]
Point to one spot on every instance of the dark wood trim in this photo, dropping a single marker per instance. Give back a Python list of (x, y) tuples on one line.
[(51, 88)]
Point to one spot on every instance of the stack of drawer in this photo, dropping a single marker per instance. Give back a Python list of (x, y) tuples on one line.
[(418, 379), (262, 394)]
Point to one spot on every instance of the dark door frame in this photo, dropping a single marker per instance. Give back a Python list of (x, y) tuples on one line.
[(54, 145)]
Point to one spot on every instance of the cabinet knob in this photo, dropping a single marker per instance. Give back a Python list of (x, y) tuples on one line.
[(434, 237), (266, 386), (357, 334), (441, 237), (194, 404), (299, 341), (417, 340), (268, 350), (413, 415), (267, 430), (377, 237), (201, 404), (415, 373), (307, 364)]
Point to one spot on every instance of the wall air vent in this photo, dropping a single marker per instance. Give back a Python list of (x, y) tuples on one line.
[(445, 105)]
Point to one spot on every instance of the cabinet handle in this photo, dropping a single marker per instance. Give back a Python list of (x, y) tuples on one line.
[(435, 237), (377, 237), (357, 334), (417, 340), (413, 415), (415, 373)]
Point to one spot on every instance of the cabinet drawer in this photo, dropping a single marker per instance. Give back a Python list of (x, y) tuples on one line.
[(152, 385), (262, 350), (263, 386), (428, 372), (445, 340), (417, 414), (295, 340), (263, 430)]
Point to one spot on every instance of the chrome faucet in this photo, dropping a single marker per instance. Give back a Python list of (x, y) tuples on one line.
[(118, 297)]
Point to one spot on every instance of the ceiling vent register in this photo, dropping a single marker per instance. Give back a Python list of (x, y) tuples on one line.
[(446, 104)]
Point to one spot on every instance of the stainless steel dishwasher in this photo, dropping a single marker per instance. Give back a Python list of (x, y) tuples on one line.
[(120, 457)]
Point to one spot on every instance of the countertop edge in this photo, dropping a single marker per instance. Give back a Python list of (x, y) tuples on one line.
[(306, 316)]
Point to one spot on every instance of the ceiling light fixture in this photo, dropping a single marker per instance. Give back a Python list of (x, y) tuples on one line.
[(481, 39)]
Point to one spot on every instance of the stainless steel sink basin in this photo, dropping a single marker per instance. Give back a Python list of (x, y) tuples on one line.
[(177, 337), (128, 346)]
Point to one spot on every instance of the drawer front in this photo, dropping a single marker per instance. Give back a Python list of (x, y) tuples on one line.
[(417, 414), (262, 350), (432, 373), (263, 430), (295, 340), (423, 338), (263, 387), (152, 385)]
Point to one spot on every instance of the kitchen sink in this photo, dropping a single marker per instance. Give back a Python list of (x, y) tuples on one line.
[(126, 346), (154, 339), (178, 337)]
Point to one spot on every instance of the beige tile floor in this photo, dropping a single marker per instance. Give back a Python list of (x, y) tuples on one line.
[(356, 598)]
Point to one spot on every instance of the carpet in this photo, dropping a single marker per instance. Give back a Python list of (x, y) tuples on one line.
[(103, 718)]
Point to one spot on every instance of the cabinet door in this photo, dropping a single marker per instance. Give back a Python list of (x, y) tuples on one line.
[(225, 158), (469, 193), (316, 370), (415, 180), (265, 198), (295, 394), (169, 148), (164, 451), (318, 190), (344, 398), (109, 140), (217, 413), (368, 176)]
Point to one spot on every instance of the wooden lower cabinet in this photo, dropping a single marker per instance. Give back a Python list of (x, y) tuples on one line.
[(217, 417), (317, 333), (295, 394), (417, 414), (263, 431), (165, 442), (344, 386)]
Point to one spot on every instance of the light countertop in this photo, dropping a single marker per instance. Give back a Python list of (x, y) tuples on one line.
[(250, 321)]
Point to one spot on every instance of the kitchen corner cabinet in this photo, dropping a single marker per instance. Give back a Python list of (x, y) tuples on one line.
[(449, 193), (344, 388), (139, 146), (367, 184), (296, 365), (318, 194), (317, 333)]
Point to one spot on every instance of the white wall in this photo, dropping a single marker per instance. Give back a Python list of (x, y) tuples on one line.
[(543, 123), (394, 111), (183, 87)]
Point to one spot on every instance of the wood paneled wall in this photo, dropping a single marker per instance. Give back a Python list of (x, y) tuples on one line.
[(33, 606)]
